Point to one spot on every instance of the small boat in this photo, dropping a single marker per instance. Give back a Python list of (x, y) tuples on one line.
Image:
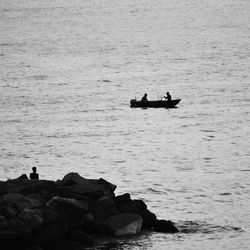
[(154, 104)]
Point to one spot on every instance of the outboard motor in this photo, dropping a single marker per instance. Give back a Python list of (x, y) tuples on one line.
[(133, 102)]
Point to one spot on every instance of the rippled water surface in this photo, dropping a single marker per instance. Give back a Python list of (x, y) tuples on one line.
[(68, 70)]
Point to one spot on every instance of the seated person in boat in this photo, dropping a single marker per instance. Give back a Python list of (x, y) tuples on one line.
[(168, 97), (144, 98)]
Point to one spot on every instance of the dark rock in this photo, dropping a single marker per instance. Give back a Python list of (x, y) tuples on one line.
[(106, 183), (67, 193), (32, 218), (2, 188), (50, 216), (92, 191), (63, 244), (23, 177), (149, 219), (34, 247), (87, 187), (44, 188), (93, 227), (123, 199), (73, 178), (17, 225), (140, 204), (21, 201), (3, 222), (124, 224), (8, 236), (126, 205), (71, 211), (80, 236), (165, 226), (10, 240), (103, 208), (21, 227), (8, 209), (38, 198), (49, 234)]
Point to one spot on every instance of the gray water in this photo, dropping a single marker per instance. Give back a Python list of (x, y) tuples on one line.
[(68, 70)]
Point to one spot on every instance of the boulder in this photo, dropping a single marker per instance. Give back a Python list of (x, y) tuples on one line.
[(21, 201), (81, 237), (106, 183), (49, 234), (32, 217), (8, 209), (165, 226), (8, 236), (67, 193), (126, 205), (50, 216), (10, 240), (123, 199), (3, 222), (103, 208), (19, 226), (92, 226), (44, 188), (23, 177), (34, 247), (71, 211), (89, 187), (92, 190), (124, 224), (73, 178), (149, 219), (63, 244)]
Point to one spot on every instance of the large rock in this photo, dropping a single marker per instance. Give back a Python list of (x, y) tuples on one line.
[(63, 244), (49, 234), (8, 209), (90, 187), (81, 237), (67, 193), (21, 201), (17, 225), (92, 190), (123, 199), (124, 224), (103, 208), (165, 226), (126, 205), (32, 217), (50, 216), (73, 178), (71, 211), (3, 222), (44, 188), (10, 240)]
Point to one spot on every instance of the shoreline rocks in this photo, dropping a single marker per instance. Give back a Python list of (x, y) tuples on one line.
[(70, 213)]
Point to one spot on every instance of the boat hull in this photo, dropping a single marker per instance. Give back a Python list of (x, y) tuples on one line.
[(154, 104)]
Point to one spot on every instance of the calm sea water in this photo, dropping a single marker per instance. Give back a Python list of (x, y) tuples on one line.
[(68, 70)]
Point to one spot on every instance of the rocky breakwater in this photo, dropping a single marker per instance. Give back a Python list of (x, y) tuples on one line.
[(69, 214)]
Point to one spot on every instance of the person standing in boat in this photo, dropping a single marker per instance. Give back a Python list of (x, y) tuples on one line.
[(144, 98), (168, 97)]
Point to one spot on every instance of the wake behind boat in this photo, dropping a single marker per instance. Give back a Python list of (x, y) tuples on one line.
[(154, 104)]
